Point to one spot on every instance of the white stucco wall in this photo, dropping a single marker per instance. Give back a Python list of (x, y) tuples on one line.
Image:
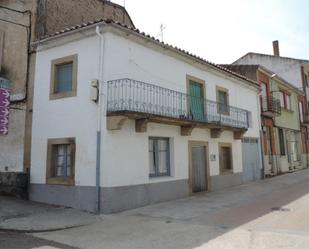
[(67, 117), (125, 152), (287, 68)]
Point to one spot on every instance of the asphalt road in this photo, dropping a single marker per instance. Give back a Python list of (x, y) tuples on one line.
[(9, 240)]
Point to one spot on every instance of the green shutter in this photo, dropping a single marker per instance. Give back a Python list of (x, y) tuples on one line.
[(196, 100)]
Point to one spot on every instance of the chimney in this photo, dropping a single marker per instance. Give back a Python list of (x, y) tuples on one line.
[(276, 48)]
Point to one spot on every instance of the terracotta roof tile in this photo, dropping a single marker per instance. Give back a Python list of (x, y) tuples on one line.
[(110, 21)]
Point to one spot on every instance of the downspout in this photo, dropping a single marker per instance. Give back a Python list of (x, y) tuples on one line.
[(261, 136), (99, 125)]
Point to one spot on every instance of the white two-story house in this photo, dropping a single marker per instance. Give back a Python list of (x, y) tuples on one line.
[(121, 120)]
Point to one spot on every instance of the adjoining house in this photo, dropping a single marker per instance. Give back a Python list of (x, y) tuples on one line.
[(294, 71), (283, 141), (121, 120)]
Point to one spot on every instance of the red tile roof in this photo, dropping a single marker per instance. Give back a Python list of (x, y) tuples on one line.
[(137, 31)]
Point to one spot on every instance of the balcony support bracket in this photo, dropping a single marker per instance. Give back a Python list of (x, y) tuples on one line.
[(238, 134), (186, 130), (216, 132), (141, 125), (115, 122)]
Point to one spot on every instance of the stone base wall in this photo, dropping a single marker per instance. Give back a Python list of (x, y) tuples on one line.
[(116, 199), (14, 184)]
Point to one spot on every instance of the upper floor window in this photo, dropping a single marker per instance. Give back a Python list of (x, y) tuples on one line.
[(223, 100), (285, 100), (306, 79), (63, 77), (301, 111)]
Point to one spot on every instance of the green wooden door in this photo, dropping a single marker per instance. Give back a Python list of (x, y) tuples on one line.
[(196, 100)]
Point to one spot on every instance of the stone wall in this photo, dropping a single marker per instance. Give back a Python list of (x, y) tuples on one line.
[(55, 15), (15, 184)]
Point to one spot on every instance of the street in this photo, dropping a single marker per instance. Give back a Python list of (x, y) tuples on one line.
[(266, 214)]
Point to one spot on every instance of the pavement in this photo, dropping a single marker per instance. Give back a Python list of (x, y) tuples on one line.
[(268, 214), (11, 240), (26, 216)]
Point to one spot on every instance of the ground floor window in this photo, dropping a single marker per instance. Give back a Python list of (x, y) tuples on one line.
[(159, 157), (225, 158), (281, 142), (60, 161)]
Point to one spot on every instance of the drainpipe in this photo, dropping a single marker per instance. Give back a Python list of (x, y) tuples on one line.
[(99, 125), (261, 137)]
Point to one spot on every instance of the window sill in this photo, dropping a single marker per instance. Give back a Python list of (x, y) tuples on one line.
[(61, 95), (286, 110), (68, 181), (227, 172), (224, 113), (159, 178)]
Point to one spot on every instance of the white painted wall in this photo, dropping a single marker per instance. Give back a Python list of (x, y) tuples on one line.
[(288, 69), (67, 117), (125, 152)]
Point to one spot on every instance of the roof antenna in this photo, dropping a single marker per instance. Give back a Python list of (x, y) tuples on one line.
[(124, 3), (162, 27)]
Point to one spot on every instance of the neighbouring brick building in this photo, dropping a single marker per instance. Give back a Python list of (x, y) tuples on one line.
[(22, 22)]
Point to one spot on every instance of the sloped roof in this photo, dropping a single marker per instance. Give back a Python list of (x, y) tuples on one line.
[(271, 56), (146, 36), (251, 72)]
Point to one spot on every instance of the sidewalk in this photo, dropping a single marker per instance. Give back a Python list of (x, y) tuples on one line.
[(186, 223), (27, 216)]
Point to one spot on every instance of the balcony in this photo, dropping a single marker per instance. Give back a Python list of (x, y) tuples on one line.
[(143, 102), (270, 106)]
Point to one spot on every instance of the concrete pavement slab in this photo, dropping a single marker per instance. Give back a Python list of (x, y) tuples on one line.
[(236, 218), (27, 216)]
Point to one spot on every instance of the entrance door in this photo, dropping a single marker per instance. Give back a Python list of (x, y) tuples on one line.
[(251, 160), (196, 100), (198, 168)]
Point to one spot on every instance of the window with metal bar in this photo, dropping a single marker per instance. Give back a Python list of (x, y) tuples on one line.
[(63, 159), (60, 161), (159, 157)]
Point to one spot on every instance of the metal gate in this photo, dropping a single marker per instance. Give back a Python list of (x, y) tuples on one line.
[(251, 160)]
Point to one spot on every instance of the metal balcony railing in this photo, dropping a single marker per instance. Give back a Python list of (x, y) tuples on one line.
[(270, 104), (127, 95)]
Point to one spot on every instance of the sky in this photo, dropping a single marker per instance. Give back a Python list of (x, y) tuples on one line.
[(222, 31)]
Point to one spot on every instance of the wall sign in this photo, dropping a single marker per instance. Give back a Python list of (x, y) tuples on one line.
[(4, 106)]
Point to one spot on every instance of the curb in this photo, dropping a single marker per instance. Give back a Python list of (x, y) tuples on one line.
[(39, 230)]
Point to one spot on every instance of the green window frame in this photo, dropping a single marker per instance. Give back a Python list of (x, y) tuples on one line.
[(223, 101)]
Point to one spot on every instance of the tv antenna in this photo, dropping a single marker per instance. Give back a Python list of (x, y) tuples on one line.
[(162, 27)]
